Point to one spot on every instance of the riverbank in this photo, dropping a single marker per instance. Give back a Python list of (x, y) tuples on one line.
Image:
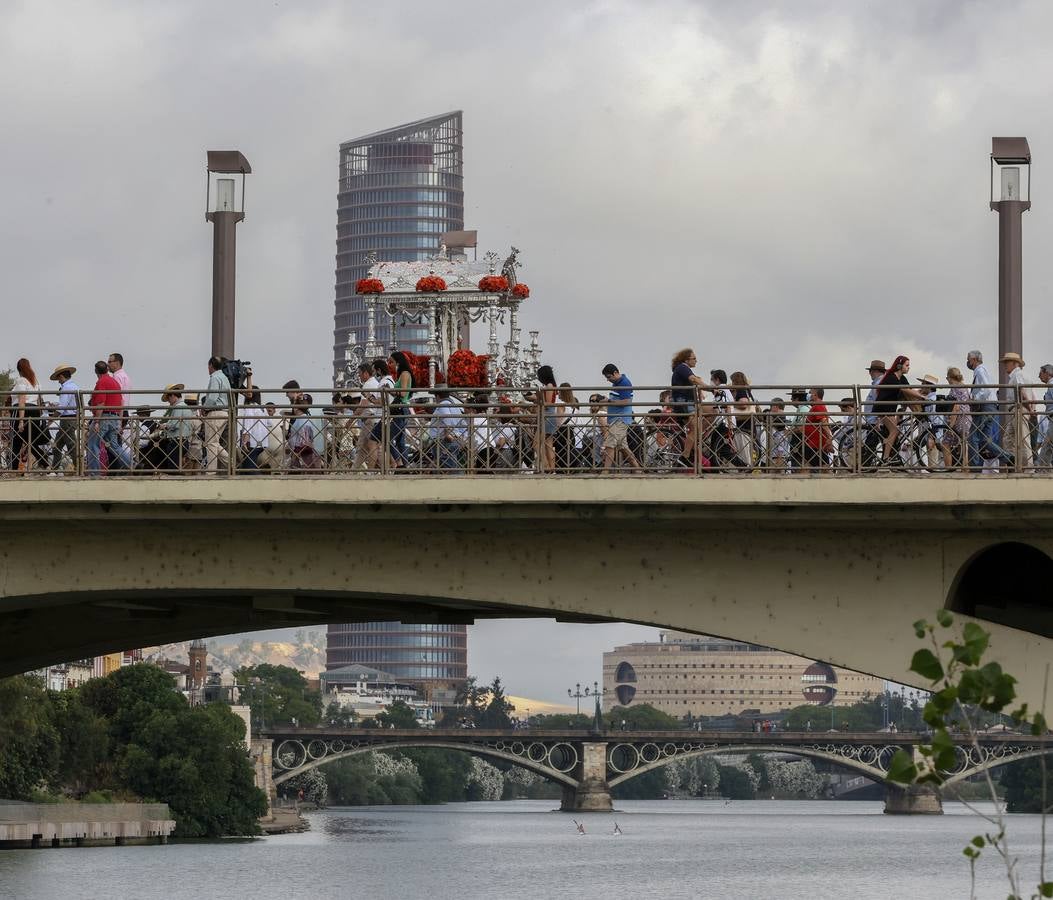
[(285, 820)]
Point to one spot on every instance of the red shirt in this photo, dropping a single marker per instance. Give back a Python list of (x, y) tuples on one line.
[(814, 424), (106, 403)]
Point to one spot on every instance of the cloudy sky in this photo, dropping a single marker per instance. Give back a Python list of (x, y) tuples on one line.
[(790, 188)]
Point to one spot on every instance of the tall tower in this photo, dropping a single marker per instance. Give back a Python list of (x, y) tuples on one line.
[(432, 657), (399, 190), (198, 666)]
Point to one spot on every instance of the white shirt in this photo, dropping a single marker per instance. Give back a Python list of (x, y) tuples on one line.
[(256, 424), (369, 400), (1016, 377)]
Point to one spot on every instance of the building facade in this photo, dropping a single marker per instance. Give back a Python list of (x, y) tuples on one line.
[(399, 190), (695, 675), (432, 658)]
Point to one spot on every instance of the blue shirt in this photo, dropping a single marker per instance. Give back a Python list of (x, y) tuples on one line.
[(622, 390), (983, 394)]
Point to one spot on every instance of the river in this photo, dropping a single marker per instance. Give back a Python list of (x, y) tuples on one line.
[(791, 850)]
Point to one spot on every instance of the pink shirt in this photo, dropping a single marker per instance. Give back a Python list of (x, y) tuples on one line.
[(126, 383)]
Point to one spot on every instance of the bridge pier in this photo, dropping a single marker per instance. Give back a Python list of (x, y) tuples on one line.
[(591, 794), (913, 800)]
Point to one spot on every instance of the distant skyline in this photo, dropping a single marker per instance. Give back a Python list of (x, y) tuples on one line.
[(793, 189)]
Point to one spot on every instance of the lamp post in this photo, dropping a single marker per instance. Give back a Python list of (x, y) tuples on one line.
[(1011, 160), (224, 208), (577, 695)]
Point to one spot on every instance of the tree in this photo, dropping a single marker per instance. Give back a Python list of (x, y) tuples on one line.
[(561, 721), (735, 783), (397, 715), (30, 745), (642, 717), (497, 712), (1023, 785), (279, 694)]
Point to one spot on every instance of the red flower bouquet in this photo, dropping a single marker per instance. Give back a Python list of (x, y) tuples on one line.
[(465, 369), (369, 286), (493, 284), (521, 291), (431, 284), (419, 369)]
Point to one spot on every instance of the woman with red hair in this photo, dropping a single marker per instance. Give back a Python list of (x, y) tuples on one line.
[(26, 429), (890, 392)]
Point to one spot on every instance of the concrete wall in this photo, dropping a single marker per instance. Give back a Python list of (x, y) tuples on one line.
[(826, 568)]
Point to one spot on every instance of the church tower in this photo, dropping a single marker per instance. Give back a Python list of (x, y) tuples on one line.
[(198, 666)]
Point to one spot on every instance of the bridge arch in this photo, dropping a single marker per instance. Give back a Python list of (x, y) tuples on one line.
[(987, 587), (845, 756), (994, 761), (538, 767)]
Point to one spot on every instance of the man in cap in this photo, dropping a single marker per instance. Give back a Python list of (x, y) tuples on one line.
[(874, 432), (1016, 431), (67, 409)]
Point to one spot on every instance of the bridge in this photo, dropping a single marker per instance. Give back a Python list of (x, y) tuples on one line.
[(587, 764), (828, 568)]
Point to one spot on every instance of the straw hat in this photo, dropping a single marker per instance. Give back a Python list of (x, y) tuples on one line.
[(176, 388), (929, 379), (60, 369), (878, 364), (1012, 357)]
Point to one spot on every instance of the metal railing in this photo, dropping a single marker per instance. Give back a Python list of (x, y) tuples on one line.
[(764, 429)]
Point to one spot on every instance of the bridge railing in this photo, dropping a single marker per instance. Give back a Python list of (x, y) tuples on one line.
[(777, 430)]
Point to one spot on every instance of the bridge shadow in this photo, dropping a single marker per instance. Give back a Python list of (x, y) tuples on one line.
[(1005, 584)]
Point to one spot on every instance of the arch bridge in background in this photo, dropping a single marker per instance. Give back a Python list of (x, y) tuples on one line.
[(587, 764)]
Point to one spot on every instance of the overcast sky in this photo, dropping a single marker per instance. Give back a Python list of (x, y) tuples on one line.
[(791, 191)]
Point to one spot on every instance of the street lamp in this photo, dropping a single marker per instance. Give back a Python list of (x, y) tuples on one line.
[(1011, 171), (577, 695), (224, 208)]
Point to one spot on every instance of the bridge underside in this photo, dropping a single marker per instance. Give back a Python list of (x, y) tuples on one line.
[(827, 568)]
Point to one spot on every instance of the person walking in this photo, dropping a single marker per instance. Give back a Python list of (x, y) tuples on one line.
[(104, 429), (254, 427), (400, 405), (619, 417), (875, 435), (984, 445), (687, 386), (817, 438), (959, 422), (29, 436), (1045, 425), (175, 431), (66, 440), (1016, 433), (546, 451), (745, 412), (214, 405)]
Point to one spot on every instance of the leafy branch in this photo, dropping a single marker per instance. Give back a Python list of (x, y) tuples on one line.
[(960, 681)]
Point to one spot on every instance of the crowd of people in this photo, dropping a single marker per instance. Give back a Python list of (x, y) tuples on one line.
[(389, 423)]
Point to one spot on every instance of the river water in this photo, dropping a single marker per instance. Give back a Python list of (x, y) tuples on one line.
[(791, 850)]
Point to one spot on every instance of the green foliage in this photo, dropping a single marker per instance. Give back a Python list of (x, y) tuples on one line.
[(498, 711), (961, 684), (483, 707), (641, 717), (735, 784), (279, 694), (649, 786), (397, 715), (30, 745), (1023, 785), (130, 736), (562, 721)]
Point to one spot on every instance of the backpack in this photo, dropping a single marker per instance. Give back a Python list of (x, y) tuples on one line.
[(944, 405)]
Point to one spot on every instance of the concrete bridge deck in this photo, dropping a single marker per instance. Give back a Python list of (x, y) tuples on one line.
[(826, 567)]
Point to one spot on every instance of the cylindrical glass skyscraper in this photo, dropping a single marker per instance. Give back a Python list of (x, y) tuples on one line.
[(435, 657), (400, 189)]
